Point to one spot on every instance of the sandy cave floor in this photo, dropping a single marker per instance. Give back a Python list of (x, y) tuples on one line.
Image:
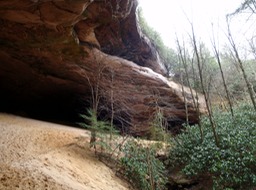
[(40, 155)]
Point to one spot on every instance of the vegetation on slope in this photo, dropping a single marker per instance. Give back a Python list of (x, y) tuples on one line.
[(221, 147), (232, 164), (229, 165)]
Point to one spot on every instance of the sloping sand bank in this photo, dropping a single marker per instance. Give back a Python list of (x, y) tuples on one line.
[(40, 155)]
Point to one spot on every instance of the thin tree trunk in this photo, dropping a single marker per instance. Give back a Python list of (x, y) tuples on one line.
[(222, 103), (112, 105), (184, 63), (213, 125), (249, 86), (217, 55)]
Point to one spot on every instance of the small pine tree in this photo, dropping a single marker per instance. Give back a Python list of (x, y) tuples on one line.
[(99, 130)]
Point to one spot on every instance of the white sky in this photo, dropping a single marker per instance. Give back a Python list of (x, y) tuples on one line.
[(168, 17)]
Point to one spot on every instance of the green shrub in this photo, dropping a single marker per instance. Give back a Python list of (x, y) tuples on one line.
[(232, 165), (142, 168), (101, 131)]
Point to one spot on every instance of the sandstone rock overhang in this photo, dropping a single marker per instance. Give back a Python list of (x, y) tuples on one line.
[(55, 53)]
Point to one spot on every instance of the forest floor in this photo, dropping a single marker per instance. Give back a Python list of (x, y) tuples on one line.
[(45, 156)]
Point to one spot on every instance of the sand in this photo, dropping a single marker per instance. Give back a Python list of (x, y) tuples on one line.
[(41, 155)]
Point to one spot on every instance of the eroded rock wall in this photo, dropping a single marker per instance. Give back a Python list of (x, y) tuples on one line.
[(54, 52)]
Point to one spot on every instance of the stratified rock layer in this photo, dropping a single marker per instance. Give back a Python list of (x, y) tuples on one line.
[(57, 56)]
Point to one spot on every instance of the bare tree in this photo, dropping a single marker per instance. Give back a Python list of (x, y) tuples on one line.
[(94, 83), (245, 5), (217, 55), (183, 59), (241, 66), (206, 97)]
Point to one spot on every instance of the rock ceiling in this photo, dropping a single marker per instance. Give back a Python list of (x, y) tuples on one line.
[(56, 56)]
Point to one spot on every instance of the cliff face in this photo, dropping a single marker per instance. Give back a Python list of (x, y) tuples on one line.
[(58, 55)]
